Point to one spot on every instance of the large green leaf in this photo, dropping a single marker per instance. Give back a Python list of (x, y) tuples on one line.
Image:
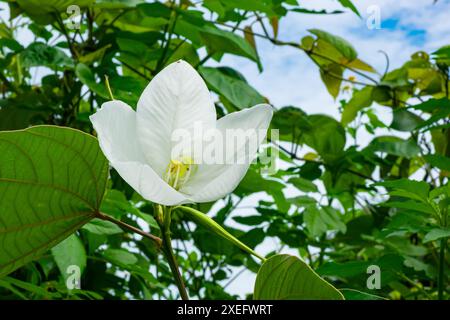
[(285, 277), (52, 181), (235, 90)]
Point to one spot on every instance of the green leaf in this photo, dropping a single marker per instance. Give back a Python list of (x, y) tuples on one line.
[(43, 11), (409, 204), (315, 225), (235, 90), (86, 76), (438, 161), (41, 54), (37, 291), (326, 136), (221, 41), (361, 65), (49, 6), (350, 5), (395, 146), (102, 227), (250, 220), (248, 5), (436, 234), (442, 55), (311, 11), (120, 256), (95, 55), (285, 277), (319, 221), (361, 99), (342, 45), (69, 252), (303, 184), (417, 190), (404, 120), (52, 181), (433, 105), (14, 116), (117, 4), (331, 76), (290, 121)]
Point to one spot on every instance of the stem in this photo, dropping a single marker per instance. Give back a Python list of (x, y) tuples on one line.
[(72, 49), (441, 282), (170, 255), (108, 87), (124, 225), (173, 21)]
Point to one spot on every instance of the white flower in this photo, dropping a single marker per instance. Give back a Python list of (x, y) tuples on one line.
[(139, 144)]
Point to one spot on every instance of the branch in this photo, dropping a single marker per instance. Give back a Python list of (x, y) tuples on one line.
[(296, 45), (157, 240), (294, 156)]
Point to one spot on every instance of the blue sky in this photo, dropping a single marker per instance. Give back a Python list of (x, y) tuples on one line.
[(289, 77)]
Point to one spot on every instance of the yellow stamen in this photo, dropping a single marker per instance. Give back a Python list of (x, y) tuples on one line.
[(179, 171)]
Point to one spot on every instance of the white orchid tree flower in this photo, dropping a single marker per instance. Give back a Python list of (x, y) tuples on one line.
[(139, 144)]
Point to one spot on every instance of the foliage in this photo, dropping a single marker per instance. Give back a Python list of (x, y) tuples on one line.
[(385, 203)]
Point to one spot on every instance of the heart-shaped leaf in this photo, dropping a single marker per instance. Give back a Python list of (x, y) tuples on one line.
[(285, 277), (52, 181)]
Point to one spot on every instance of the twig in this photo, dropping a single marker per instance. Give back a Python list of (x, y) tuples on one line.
[(124, 225)]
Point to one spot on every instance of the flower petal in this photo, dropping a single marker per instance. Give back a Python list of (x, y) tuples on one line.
[(176, 98), (214, 181), (115, 124)]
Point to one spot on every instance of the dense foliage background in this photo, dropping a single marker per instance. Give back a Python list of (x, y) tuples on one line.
[(384, 204)]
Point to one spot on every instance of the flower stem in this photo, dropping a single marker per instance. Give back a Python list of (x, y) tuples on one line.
[(108, 87), (170, 255), (441, 282)]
